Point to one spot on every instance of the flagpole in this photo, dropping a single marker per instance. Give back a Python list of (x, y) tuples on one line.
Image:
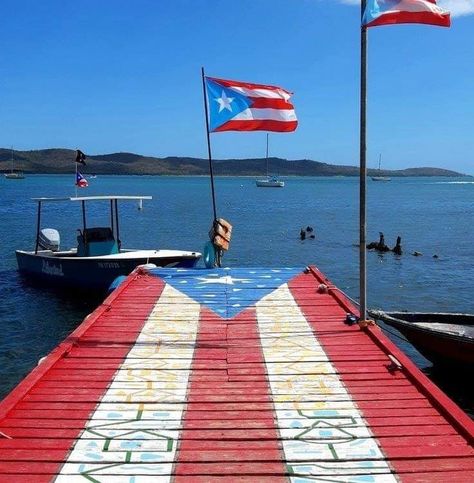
[(363, 170), (75, 181), (209, 144)]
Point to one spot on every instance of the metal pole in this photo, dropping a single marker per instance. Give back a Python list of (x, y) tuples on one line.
[(209, 145), (117, 224), (84, 219), (112, 216), (363, 170), (38, 221), (266, 157)]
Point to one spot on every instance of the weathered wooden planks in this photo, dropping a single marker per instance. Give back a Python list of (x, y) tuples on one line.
[(229, 375)]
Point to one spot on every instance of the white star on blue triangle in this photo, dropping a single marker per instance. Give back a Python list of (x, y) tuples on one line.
[(226, 291), (224, 104)]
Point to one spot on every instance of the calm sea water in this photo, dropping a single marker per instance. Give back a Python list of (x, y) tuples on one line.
[(432, 215)]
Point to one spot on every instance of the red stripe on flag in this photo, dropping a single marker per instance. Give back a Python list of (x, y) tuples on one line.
[(267, 102), (246, 85), (427, 18), (260, 125), (220, 433), (123, 312)]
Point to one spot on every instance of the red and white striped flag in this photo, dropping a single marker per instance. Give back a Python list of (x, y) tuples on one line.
[(242, 106), (387, 12)]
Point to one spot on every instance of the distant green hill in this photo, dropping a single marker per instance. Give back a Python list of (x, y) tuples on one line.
[(62, 161)]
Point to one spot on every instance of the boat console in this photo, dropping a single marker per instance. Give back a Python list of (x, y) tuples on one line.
[(96, 242)]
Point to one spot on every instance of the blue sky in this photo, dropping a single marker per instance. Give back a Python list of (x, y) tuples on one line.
[(115, 75)]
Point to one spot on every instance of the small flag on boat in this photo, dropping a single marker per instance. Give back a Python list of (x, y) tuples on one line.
[(388, 12), (80, 157), (81, 181), (241, 106)]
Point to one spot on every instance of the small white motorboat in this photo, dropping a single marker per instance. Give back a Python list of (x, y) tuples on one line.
[(98, 258)]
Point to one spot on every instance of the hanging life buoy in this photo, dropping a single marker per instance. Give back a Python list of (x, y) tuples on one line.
[(209, 255)]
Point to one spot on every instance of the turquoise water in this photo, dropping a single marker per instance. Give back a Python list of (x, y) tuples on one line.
[(432, 215)]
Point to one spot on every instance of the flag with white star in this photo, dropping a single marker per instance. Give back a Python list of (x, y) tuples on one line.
[(387, 12), (241, 106)]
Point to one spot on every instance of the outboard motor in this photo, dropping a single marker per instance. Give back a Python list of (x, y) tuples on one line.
[(49, 239)]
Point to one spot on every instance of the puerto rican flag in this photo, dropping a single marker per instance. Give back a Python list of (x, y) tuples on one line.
[(241, 106), (229, 375), (81, 181), (387, 12)]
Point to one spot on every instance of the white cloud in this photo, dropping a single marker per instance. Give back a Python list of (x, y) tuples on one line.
[(457, 8)]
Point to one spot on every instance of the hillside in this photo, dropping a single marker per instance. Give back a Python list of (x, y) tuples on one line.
[(62, 161)]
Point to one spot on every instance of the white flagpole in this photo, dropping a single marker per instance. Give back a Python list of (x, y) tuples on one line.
[(363, 170), (75, 181)]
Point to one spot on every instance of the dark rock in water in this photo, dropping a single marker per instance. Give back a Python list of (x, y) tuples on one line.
[(312, 236), (380, 245), (417, 254), (302, 234), (397, 249), (309, 229), (435, 256)]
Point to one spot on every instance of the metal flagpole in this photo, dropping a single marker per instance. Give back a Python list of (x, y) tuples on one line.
[(209, 145), (363, 170), (75, 181)]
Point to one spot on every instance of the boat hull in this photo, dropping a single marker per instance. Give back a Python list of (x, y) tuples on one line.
[(93, 273), (444, 339), (14, 176), (262, 183)]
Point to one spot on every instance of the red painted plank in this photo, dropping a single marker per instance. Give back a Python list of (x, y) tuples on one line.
[(242, 408), (422, 465), (231, 469), (440, 477)]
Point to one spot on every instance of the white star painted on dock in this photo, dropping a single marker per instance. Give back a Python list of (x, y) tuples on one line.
[(227, 280), (224, 102)]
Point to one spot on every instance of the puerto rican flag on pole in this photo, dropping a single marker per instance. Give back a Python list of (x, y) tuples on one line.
[(81, 181), (388, 12), (241, 106)]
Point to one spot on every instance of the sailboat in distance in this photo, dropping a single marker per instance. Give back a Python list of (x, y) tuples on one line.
[(269, 181), (14, 174), (379, 177)]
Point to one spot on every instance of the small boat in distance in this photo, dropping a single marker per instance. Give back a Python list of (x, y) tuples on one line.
[(269, 181), (99, 257), (446, 339), (14, 174), (379, 177)]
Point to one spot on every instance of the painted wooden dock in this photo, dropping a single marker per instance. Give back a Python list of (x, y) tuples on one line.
[(230, 375)]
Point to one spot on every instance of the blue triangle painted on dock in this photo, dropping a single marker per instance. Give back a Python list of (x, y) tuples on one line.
[(226, 291)]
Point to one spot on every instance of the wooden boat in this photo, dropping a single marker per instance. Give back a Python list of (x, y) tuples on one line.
[(99, 257), (446, 339)]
